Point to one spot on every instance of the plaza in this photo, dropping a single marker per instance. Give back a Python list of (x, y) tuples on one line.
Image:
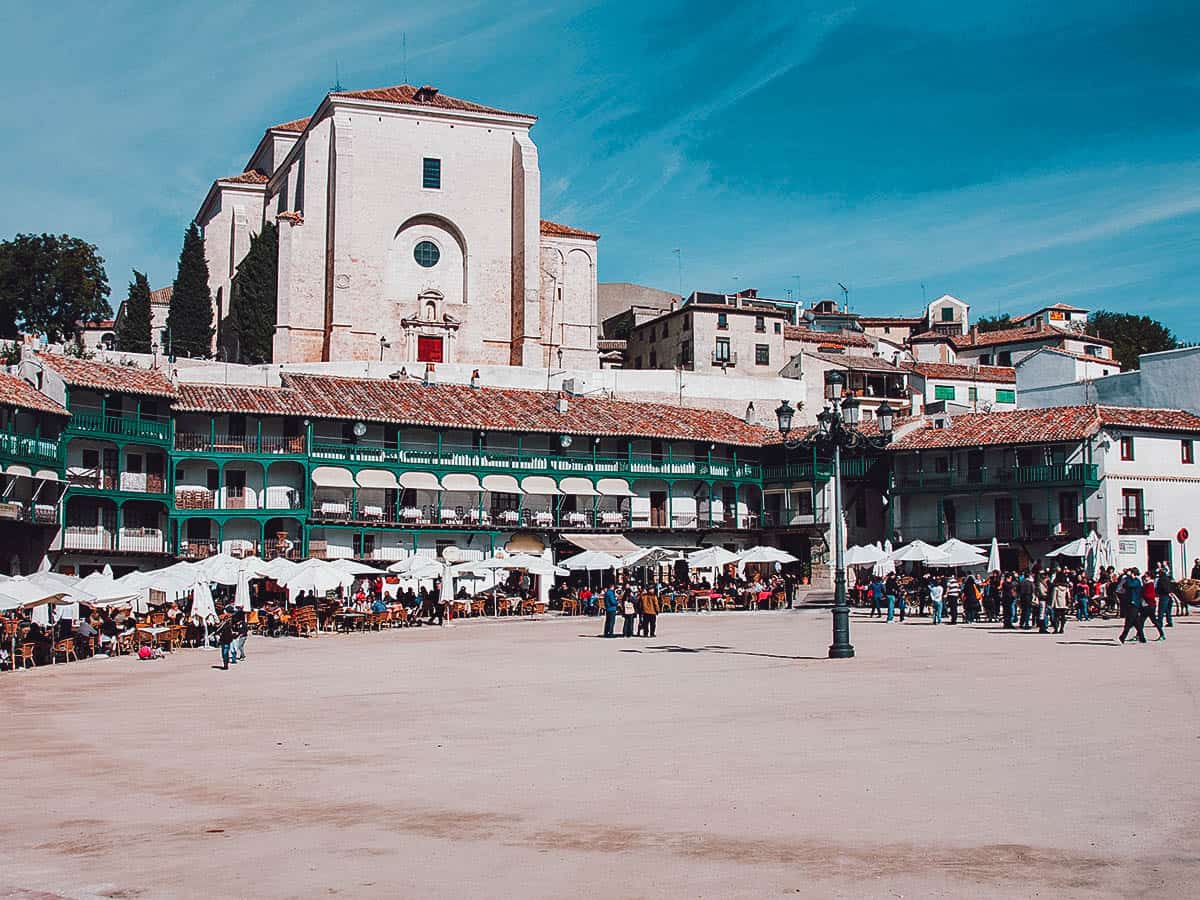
[(725, 758)]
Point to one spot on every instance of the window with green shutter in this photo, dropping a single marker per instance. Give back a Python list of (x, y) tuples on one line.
[(1003, 396), (431, 173), (972, 394), (943, 392)]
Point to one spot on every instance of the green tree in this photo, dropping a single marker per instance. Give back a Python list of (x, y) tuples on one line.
[(49, 283), (1131, 335), (133, 331), (252, 299), (994, 323), (190, 315)]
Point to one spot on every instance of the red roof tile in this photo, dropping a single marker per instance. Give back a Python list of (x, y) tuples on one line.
[(22, 395), (961, 372), (553, 228), (100, 376), (857, 363), (294, 125), (1021, 335), (251, 177), (264, 401), (1149, 419), (841, 339), (495, 409), (410, 95), (162, 296)]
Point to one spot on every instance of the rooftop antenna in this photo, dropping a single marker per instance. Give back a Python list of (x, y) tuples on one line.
[(337, 78), (404, 55), (924, 299), (678, 251), (845, 295)]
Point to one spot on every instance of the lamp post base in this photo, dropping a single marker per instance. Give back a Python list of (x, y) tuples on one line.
[(839, 651), (841, 648)]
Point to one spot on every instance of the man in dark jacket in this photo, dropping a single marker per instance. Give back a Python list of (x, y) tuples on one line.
[(1129, 593), (226, 633), (610, 611)]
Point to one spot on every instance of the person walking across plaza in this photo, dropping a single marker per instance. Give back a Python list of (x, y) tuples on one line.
[(1025, 599), (1129, 595), (1150, 606), (628, 611), (876, 592), (1164, 586), (241, 625), (650, 612), (953, 595), (936, 592), (1060, 600), (610, 611), (226, 634)]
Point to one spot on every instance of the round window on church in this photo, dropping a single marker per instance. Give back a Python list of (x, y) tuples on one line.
[(427, 254)]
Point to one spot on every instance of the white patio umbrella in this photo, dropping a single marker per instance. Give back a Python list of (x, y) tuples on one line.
[(591, 561), (357, 569), (649, 556), (21, 593), (106, 590), (320, 579), (864, 555), (418, 567), (711, 558), (1077, 547), (955, 547), (226, 569), (957, 557), (993, 564), (204, 611), (278, 568), (241, 594), (68, 583), (446, 588), (762, 554), (919, 551)]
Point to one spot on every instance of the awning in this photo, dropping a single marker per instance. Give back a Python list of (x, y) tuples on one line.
[(332, 476), (501, 484), (614, 487), (580, 487), (461, 481), (614, 544), (420, 481), (540, 484), (377, 478), (47, 475), (24, 471)]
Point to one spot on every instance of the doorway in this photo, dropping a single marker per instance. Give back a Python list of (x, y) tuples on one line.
[(1157, 552)]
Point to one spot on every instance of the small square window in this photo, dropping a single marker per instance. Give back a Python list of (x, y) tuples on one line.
[(1003, 396), (722, 320), (1004, 359), (1187, 452), (943, 392), (760, 324), (431, 173), (1127, 448), (762, 354), (947, 313), (972, 393), (779, 328)]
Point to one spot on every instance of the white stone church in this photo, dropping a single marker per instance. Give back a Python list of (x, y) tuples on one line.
[(409, 227)]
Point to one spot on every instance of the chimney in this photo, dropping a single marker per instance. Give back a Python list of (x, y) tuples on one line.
[(425, 94), (750, 416), (430, 378), (974, 333), (562, 405), (475, 379)]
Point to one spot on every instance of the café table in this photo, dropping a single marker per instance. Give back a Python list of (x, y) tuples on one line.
[(350, 618)]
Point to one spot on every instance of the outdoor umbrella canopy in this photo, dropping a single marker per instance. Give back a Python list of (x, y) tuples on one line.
[(241, 594), (225, 569), (417, 566), (765, 555), (591, 561), (1078, 547), (21, 592), (106, 590), (68, 583), (993, 564), (321, 579), (203, 608), (649, 556), (356, 568), (919, 551), (711, 558), (278, 568), (956, 557), (955, 547), (864, 555)]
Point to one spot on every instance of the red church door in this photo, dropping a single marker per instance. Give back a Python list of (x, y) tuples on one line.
[(429, 349)]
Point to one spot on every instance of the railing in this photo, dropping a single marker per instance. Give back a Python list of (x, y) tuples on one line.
[(274, 497), (724, 359), (35, 449), (239, 444), (526, 462), (127, 540), (795, 517), (38, 514), (203, 548), (1139, 522), (1006, 530), (457, 517), (126, 482), (1086, 474), (798, 471), (120, 426)]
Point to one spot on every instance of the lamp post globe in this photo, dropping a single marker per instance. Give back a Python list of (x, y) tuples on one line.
[(851, 411), (783, 416), (835, 381), (886, 417)]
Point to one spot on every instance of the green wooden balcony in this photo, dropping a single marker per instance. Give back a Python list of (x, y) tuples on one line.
[(801, 470), (29, 449), (532, 462), (128, 427), (1084, 475)]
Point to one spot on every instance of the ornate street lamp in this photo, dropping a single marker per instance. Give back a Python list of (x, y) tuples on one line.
[(837, 429)]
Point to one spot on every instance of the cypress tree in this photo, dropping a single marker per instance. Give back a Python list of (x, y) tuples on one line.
[(190, 316), (133, 334), (253, 297)]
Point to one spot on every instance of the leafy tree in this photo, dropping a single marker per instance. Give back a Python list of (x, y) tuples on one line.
[(133, 332), (994, 323), (1131, 335), (253, 296), (49, 283), (190, 315)]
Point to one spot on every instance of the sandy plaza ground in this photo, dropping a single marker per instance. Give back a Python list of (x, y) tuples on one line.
[(725, 758)]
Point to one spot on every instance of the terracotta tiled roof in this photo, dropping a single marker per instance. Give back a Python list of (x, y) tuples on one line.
[(251, 177), (1041, 426), (1085, 357), (857, 363), (553, 228), (1150, 419), (101, 325), (162, 296), (22, 395), (100, 376), (494, 409), (841, 339), (294, 125), (866, 321), (262, 401), (1021, 335), (923, 336), (960, 372), (411, 95)]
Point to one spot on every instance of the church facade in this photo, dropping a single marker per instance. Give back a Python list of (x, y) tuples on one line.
[(410, 229)]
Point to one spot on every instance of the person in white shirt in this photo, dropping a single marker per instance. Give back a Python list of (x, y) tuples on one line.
[(936, 592)]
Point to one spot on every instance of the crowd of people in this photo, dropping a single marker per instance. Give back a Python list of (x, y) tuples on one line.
[(1037, 598)]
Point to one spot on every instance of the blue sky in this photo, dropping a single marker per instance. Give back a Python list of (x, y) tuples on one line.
[(1013, 155)]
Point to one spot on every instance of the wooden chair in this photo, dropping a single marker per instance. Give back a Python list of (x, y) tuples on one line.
[(570, 607), (478, 607), (24, 657), (66, 647)]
